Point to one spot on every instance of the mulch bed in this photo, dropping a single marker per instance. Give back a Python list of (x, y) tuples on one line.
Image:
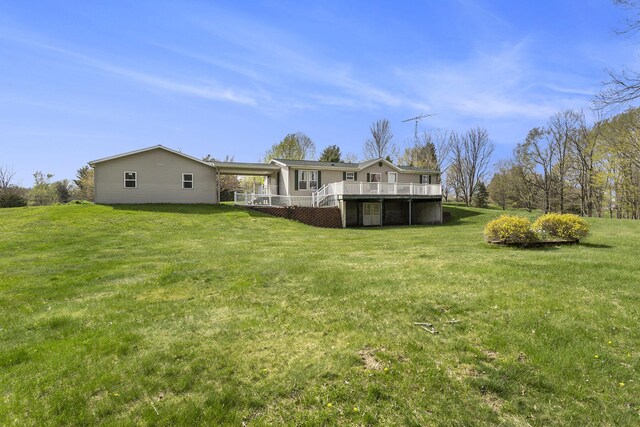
[(540, 244)]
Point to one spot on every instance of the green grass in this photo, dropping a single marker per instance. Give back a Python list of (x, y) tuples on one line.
[(217, 315)]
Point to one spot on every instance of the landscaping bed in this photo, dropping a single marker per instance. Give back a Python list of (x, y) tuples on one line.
[(537, 244)]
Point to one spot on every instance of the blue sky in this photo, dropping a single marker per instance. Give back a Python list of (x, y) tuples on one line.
[(81, 80)]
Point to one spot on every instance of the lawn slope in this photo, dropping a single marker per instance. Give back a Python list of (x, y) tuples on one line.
[(219, 315)]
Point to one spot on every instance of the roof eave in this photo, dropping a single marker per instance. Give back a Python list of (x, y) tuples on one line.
[(143, 150)]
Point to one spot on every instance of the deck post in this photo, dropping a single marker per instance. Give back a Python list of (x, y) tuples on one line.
[(410, 212)]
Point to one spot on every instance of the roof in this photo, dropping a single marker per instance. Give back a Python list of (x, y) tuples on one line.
[(155, 147), (350, 166), (417, 169), (342, 165), (238, 168)]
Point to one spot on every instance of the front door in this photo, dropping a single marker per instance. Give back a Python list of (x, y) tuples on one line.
[(370, 214)]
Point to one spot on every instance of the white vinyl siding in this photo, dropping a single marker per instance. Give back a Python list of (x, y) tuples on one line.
[(158, 179)]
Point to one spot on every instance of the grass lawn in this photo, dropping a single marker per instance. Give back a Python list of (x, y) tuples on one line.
[(218, 315)]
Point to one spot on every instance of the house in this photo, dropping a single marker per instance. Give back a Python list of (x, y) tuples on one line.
[(375, 192)]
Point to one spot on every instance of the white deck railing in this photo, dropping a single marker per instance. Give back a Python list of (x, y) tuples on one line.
[(385, 188), (327, 195), (254, 199)]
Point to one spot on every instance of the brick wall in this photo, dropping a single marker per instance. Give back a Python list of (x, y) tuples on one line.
[(318, 217)]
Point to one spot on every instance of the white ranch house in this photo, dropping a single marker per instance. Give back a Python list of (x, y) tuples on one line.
[(375, 192)]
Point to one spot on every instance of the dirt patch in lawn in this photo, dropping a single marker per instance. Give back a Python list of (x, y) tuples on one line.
[(369, 359)]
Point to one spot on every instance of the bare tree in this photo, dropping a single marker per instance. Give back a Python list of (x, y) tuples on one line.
[(6, 177), (563, 129), (538, 153), (379, 145), (586, 148), (471, 154), (307, 147), (622, 87)]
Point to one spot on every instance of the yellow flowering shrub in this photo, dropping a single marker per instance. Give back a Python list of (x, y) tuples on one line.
[(510, 229), (563, 226)]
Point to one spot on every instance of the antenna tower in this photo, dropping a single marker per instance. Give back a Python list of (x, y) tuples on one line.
[(417, 119)]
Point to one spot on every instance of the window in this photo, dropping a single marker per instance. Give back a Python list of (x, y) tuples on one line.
[(308, 180), (425, 179), (350, 176), (313, 180), (303, 177), (187, 181), (392, 177), (130, 179), (374, 177)]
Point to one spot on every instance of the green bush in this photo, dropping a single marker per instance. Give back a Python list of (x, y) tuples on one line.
[(510, 229), (10, 199), (562, 226)]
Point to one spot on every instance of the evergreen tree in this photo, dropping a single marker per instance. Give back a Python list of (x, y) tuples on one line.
[(331, 154), (481, 198)]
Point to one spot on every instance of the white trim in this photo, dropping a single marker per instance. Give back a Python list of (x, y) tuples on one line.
[(125, 179), (278, 162), (374, 161), (155, 147), (311, 172), (192, 179), (301, 181)]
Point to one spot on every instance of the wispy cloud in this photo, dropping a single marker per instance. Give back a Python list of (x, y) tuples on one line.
[(498, 83), (207, 91), (286, 58)]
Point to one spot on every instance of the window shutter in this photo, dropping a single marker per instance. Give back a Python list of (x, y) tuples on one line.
[(368, 177), (355, 176), (319, 179), (295, 186), (344, 176)]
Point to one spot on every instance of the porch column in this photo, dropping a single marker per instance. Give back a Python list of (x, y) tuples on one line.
[(218, 182), (409, 211)]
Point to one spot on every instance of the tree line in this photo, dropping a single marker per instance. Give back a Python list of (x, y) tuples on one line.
[(567, 165), (44, 191)]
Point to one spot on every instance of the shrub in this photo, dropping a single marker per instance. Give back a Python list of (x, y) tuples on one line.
[(562, 226), (510, 229), (10, 199)]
